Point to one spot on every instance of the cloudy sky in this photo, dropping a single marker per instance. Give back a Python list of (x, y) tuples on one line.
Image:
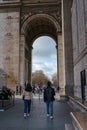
[(44, 56)]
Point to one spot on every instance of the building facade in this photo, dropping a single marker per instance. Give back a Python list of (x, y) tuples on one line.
[(22, 21), (79, 37)]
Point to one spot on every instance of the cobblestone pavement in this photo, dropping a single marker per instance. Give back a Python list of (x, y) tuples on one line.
[(12, 119)]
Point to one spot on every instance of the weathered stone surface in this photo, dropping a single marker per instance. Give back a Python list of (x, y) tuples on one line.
[(67, 43), (9, 44), (79, 34), (22, 23)]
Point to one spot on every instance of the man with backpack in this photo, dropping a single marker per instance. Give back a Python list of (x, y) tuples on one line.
[(49, 94)]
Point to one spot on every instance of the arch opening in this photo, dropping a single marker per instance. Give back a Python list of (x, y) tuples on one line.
[(44, 56), (36, 28), (40, 25)]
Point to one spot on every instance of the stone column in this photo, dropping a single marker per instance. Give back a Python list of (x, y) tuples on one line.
[(67, 41), (57, 66), (61, 69), (30, 65), (26, 69), (22, 60)]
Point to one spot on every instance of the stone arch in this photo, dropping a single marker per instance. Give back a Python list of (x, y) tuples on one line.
[(30, 18), (44, 35), (39, 25)]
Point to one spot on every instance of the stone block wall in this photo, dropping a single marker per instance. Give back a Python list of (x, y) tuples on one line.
[(9, 44), (74, 30), (85, 4), (79, 44), (67, 42), (9, 1), (37, 1)]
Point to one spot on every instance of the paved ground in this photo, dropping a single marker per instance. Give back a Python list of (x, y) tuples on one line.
[(12, 119)]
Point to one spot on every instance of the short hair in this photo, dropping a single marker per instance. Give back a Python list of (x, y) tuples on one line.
[(48, 83)]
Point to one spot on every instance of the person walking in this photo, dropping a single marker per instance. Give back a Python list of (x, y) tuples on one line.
[(20, 89), (49, 94), (27, 94), (17, 90)]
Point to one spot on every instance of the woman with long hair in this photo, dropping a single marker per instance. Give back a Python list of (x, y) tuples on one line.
[(27, 93)]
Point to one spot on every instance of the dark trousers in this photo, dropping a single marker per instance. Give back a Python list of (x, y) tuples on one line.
[(27, 106), (49, 105)]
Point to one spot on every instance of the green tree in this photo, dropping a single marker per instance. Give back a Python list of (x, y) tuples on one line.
[(38, 77)]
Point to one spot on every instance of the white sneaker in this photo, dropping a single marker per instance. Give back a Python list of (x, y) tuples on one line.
[(24, 115), (28, 115), (51, 117), (47, 115)]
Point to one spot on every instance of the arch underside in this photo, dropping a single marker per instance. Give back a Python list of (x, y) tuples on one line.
[(41, 18), (40, 26)]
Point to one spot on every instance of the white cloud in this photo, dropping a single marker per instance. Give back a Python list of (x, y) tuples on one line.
[(44, 56)]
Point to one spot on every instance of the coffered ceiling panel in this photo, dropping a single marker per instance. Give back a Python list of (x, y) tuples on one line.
[(39, 27)]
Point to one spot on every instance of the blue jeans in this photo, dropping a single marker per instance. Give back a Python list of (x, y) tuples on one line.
[(27, 106), (49, 105)]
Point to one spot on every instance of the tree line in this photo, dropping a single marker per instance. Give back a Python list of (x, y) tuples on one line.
[(38, 77)]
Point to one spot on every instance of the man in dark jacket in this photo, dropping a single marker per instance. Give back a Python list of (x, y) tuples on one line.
[(49, 94)]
